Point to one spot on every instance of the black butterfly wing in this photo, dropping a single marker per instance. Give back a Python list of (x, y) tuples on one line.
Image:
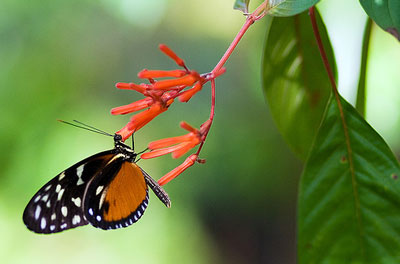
[(57, 206), (118, 196)]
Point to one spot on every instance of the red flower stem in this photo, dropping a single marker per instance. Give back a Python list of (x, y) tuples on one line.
[(250, 20), (212, 113), (256, 15)]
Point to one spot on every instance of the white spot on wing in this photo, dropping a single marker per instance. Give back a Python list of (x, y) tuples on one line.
[(98, 218), (76, 219), (44, 199), (37, 212), (37, 198), (58, 188), (79, 182), (99, 189), (63, 226), (48, 187), (91, 211), (76, 201), (139, 214), (48, 204), (60, 194), (62, 175), (52, 227), (79, 172), (64, 211), (43, 223), (53, 216)]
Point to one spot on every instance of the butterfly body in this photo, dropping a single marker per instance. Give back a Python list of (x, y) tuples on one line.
[(107, 190)]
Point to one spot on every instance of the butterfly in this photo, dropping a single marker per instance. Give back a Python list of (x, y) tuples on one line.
[(107, 190)]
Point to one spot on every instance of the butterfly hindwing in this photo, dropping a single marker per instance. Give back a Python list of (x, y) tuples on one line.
[(118, 196), (57, 206)]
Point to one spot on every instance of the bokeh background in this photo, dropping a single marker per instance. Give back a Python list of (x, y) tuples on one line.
[(61, 60)]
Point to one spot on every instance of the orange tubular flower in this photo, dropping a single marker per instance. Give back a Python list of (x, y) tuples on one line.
[(167, 51), (131, 86), (141, 119), (181, 144), (133, 107), (186, 95), (144, 74), (178, 170), (187, 80)]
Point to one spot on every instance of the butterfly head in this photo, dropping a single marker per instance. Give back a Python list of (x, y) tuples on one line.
[(124, 149)]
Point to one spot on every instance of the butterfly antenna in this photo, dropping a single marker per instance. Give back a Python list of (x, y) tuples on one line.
[(92, 127), (85, 126)]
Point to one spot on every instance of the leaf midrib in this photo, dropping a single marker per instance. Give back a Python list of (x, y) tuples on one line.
[(352, 172)]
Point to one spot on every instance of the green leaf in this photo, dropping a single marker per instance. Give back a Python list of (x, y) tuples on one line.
[(295, 82), (288, 7), (385, 13), (349, 198), (360, 104), (242, 5)]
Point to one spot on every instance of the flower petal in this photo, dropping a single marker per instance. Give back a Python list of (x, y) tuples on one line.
[(162, 143), (184, 147), (133, 107), (187, 95), (178, 170), (144, 74), (167, 51), (160, 152), (141, 119), (187, 80), (188, 127), (131, 86)]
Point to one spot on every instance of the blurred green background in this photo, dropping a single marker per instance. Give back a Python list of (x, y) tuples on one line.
[(61, 60)]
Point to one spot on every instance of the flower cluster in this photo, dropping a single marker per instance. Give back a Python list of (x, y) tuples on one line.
[(178, 146), (158, 96)]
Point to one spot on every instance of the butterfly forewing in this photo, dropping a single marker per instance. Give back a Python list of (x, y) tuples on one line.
[(57, 206), (118, 196)]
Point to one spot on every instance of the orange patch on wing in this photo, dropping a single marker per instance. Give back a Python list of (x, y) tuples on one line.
[(125, 193)]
